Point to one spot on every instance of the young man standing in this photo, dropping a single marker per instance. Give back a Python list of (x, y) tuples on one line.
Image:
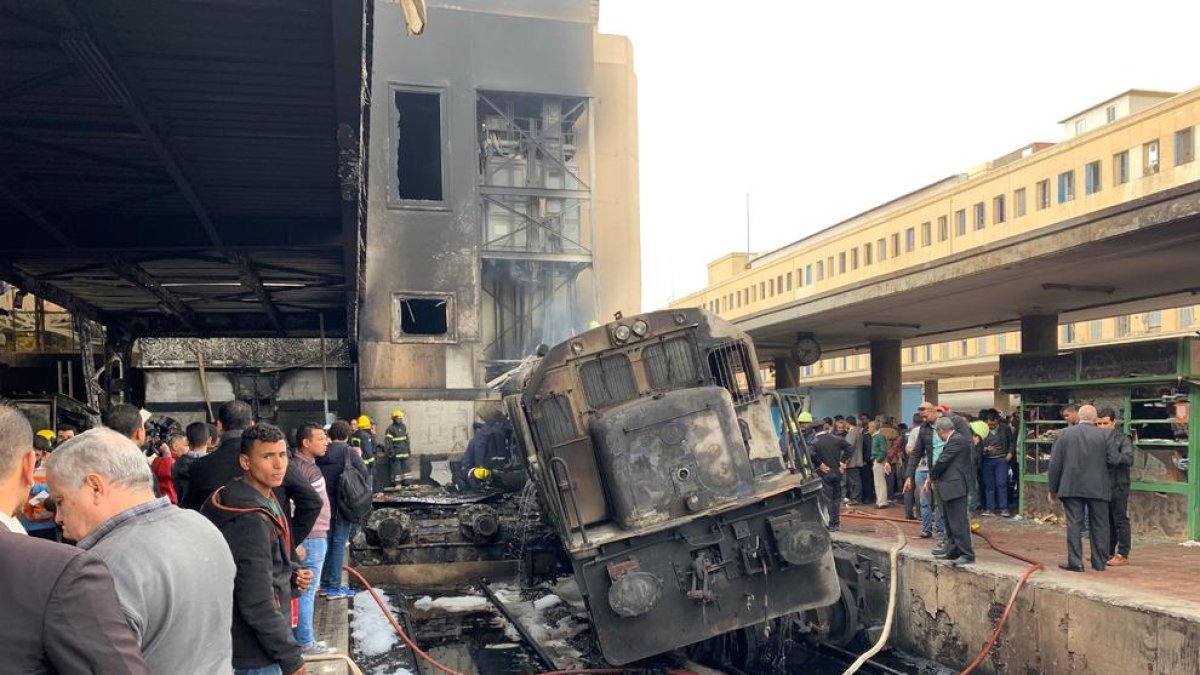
[(1118, 477), (830, 453), (332, 466), (197, 441), (256, 528), (311, 443)]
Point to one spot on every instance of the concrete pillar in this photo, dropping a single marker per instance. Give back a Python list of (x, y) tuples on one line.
[(930, 387), (1039, 333), (1000, 400), (787, 373), (885, 378)]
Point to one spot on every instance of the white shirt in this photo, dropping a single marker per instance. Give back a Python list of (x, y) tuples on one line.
[(12, 524)]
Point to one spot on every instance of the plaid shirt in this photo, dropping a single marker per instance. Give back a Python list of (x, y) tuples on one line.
[(122, 517)]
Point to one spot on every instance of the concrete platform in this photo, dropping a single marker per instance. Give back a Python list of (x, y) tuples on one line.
[(1143, 618), (332, 625)]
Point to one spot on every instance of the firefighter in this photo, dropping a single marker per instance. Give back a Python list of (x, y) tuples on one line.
[(364, 441), (397, 447)]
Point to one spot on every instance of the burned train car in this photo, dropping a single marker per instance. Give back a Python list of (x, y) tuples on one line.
[(654, 450)]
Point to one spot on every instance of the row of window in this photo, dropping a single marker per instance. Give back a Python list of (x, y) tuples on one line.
[(906, 242), (1123, 326)]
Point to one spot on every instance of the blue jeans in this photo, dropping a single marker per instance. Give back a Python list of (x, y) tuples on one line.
[(927, 510), (313, 560), (272, 669), (995, 483), (331, 573)]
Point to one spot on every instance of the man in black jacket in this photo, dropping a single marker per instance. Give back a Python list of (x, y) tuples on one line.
[(1118, 476), (952, 473), (1079, 462), (254, 524), (220, 466), (830, 453)]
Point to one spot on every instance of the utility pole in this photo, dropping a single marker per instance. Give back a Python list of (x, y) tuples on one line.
[(747, 223)]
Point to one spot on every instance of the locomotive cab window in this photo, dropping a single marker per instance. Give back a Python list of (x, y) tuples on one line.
[(670, 363), (608, 380), (730, 366)]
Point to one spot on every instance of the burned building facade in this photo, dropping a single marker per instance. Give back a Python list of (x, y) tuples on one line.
[(502, 202)]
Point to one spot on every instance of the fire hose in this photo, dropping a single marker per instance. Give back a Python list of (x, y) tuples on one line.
[(1034, 566), (894, 556)]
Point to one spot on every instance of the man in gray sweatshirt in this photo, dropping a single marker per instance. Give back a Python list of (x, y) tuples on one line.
[(173, 571)]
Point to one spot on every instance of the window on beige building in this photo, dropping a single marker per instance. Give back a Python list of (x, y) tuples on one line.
[(926, 233), (910, 239), (1150, 158), (842, 262), (789, 281), (820, 270), (960, 222), (1185, 146), (1121, 168), (998, 209), (1018, 202), (1123, 326), (1153, 321), (1092, 178), (1068, 333), (943, 228), (895, 244), (881, 250), (1043, 194), (866, 254), (1066, 186), (1110, 113), (854, 258), (1096, 331), (829, 265), (979, 213), (1187, 316)]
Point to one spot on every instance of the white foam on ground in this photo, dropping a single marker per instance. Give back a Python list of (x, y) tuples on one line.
[(383, 670), (373, 634), (454, 604), (1191, 543), (502, 645), (554, 635)]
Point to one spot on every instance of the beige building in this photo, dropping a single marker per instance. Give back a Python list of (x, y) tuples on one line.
[(1133, 145)]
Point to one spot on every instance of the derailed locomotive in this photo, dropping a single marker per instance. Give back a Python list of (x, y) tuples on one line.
[(657, 457)]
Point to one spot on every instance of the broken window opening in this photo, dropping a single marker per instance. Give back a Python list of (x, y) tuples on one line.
[(730, 366), (419, 146), (424, 316)]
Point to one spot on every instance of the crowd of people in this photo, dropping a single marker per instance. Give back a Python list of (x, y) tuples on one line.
[(204, 557), (947, 467)]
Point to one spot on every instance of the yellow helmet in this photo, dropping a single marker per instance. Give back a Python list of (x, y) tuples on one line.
[(363, 421), (481, 473), (46, 434), (397, 413), (804, 417)]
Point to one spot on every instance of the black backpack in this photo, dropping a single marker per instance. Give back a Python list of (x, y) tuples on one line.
[(354, 492)]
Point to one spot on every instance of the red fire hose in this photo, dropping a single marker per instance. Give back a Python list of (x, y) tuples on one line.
[(1034, 566)]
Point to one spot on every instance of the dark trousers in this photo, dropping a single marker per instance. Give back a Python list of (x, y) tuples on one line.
[(833, 493), (958, 529), (1097, 530), (1118, 514), (910, 503), (866, 481), (995, 483), (854, 485)]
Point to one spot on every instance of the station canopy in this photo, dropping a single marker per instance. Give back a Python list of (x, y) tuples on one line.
[(185, 168)]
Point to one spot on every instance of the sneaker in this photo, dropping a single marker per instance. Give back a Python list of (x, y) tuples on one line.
[(940, 551), (314, 649), (1006, 514)]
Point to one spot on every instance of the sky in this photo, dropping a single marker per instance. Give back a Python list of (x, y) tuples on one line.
[(820, 111)]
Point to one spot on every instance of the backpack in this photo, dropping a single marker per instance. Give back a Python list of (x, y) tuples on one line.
[(354, 492)]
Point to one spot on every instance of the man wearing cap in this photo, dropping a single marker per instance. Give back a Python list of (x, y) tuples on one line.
[(363, 440), (396, 444)]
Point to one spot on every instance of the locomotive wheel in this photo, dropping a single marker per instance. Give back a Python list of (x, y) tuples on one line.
[(841, 617)]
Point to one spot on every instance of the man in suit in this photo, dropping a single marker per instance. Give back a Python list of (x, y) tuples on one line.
[(1079, 462), (60, 612), (952, 472)]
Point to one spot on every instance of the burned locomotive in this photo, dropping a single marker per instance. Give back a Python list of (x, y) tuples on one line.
[(657, 457)]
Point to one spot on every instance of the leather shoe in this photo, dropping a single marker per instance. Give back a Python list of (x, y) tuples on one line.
[(1118, 560), (1069, 568)]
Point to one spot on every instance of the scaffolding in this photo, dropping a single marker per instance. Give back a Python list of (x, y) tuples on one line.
[(538, 226)]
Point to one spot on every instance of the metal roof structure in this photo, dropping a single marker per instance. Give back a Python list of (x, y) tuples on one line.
[(186, 168)]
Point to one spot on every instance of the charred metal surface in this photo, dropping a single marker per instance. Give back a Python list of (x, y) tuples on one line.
[(240, 352), (430, 530)]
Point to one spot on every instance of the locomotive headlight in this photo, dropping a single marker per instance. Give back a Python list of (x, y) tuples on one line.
[(640, 328), (622, 333)]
